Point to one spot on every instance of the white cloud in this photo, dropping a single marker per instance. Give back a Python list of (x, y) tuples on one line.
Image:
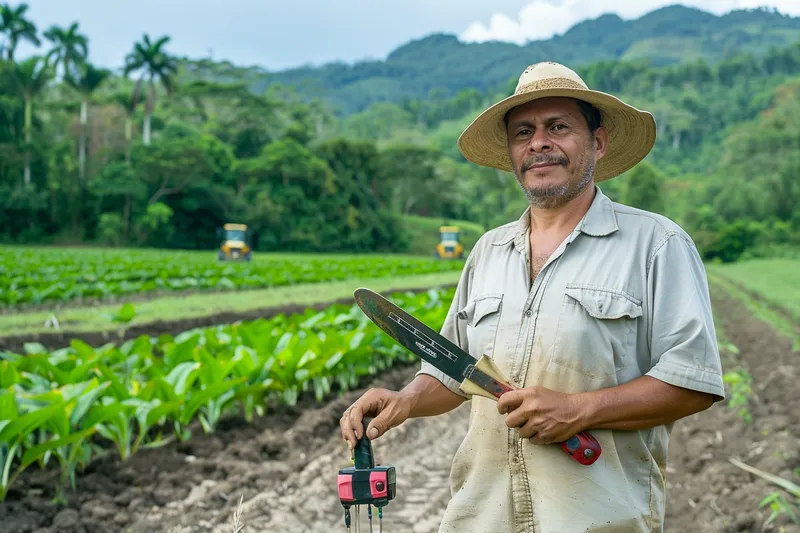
[(541, 19)]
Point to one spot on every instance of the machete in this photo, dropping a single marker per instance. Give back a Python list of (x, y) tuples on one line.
[(479, 377)]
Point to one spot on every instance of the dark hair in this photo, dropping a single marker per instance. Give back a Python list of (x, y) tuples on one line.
[(590, 113)]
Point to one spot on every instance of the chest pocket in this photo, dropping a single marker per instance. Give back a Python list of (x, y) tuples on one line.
[(482, 315), (596, 332)]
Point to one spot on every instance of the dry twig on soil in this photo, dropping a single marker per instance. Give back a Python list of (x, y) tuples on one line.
[(237, 527)]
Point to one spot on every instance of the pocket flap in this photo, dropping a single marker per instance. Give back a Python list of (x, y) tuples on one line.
[(605, 304), (481, 306)]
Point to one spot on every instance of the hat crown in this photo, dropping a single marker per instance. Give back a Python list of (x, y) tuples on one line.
[(547, 73)]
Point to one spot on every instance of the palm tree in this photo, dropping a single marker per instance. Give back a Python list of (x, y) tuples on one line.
[(128, 101), (16, 28), (90, 79), (70, 49), (155, 64), (30, 77)]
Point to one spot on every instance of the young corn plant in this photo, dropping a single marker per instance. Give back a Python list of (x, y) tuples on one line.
[(779, 505), (17, 428), (740, 382)]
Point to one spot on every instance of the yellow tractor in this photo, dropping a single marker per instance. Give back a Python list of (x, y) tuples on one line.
[(234, 244), (449, 247)]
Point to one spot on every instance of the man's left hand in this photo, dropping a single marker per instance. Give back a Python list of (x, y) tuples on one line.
[(543, 415)]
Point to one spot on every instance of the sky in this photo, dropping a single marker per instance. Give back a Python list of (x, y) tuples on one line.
[(277, 35)]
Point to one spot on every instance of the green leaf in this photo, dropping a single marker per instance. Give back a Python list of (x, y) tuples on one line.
[(32, 348), (21, 427), (8, 374), (85, 402), (125, 314), (181, 376), (313, 321), (100, 413), (119, 390), (357, 339), (82, 349), (155, 413), (199, 398), (309, 355), (334, 360), (283, 342), (32, 454)]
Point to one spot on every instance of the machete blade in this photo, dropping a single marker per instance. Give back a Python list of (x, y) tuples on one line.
[(414, 335), (431, 346)]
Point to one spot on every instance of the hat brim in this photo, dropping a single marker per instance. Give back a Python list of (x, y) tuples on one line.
[(631, 132)]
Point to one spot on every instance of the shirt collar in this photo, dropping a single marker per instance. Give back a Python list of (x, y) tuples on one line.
[(599, 220)]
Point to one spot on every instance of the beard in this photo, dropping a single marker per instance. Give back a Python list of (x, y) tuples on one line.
[(552, 196)]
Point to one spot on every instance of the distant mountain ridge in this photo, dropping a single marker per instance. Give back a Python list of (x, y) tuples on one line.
[(443, 63)]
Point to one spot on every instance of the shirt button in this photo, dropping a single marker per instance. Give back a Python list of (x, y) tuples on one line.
[(528, 312)]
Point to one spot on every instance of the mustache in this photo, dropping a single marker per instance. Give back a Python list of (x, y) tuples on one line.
[(543, 160)]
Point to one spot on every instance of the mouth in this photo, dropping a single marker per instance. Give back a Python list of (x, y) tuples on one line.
[(543, 165)]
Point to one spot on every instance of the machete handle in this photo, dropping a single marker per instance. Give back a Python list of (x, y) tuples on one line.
[(582, 447)]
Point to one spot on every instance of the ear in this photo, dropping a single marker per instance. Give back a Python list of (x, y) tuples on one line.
[(601, 142)]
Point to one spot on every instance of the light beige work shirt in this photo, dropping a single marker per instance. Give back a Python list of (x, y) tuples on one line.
[(625, 295)]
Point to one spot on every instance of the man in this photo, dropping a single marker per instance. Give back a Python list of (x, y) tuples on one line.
[(599, 312)]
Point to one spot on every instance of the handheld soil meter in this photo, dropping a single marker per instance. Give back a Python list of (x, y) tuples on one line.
[(365, 484)]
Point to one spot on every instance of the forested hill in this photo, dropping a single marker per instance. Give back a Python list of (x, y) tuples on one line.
[(441, 65)]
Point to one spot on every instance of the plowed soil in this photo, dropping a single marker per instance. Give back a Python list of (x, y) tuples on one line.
[(284, 465)]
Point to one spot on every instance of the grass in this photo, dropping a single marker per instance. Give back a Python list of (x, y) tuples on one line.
[(777, 281), (760, 309), (770, 288), (205, 304)]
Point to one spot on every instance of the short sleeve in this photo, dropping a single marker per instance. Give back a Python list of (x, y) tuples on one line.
[(684, 350), (454, 329)]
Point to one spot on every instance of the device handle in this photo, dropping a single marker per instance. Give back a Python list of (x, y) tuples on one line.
[(362, 454)]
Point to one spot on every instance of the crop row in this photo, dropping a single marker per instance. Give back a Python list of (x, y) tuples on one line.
[(67, 405), (39, 275)]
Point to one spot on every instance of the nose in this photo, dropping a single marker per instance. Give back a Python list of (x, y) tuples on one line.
[(540, 141)]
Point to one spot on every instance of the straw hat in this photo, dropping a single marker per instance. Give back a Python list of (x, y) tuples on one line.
[(631, 132)]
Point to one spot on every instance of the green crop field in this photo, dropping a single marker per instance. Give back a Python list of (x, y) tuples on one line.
[(34, 275)]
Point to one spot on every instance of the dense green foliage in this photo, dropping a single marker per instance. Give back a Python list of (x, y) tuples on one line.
[(218, 145), (60, 406), (36, 275)]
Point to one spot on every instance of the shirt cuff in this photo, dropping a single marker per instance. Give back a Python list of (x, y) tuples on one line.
[(450, 383), (692, 378)]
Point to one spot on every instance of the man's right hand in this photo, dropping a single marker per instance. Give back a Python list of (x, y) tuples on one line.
[(388, 408)]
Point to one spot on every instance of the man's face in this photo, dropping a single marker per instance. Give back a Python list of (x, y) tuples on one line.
[(552, 151)]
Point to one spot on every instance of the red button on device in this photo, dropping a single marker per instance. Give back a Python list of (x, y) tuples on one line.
[(378, 482)]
